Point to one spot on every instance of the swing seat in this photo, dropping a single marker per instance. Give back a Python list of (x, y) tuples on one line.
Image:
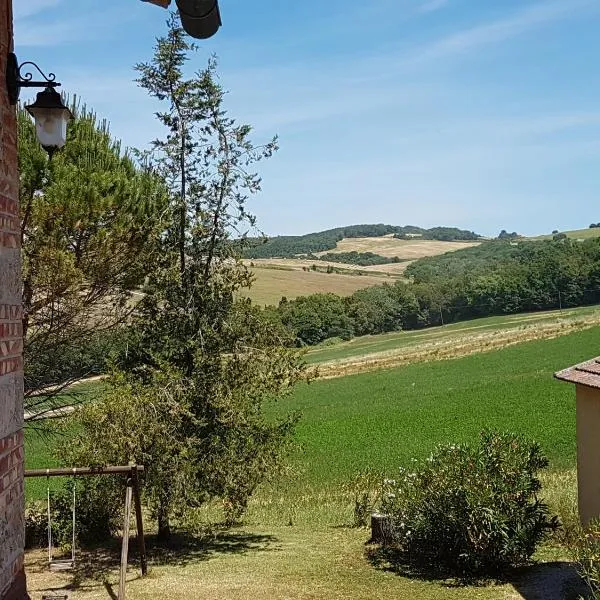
[(62, 565)]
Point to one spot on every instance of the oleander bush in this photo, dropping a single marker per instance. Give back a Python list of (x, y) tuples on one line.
[(470, 510)]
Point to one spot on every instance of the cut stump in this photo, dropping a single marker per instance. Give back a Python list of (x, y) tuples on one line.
[(381, 529)]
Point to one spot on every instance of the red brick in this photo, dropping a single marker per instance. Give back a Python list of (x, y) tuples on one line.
[(12, 575)]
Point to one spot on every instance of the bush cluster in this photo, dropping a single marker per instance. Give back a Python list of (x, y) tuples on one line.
[(470, 510)]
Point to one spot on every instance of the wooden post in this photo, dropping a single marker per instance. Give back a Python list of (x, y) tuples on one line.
[(138, 520), (125, 544)]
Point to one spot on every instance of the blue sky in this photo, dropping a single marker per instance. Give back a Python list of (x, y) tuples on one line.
[(483, 114)]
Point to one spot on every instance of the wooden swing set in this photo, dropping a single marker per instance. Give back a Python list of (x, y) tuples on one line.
[(132, 494)]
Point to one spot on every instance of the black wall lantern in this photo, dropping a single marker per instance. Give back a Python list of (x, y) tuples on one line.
[(49, 112)]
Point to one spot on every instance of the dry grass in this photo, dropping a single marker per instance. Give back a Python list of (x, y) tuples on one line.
[(453, 347), (406, 249), (277, 277), (272, 284)]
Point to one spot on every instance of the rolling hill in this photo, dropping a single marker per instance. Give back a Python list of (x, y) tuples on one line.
[(575, 234), (326, 261), (321, 241)]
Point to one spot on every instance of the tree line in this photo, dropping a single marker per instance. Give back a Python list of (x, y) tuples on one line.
[(441, 234), (494, 278), (362, 259)]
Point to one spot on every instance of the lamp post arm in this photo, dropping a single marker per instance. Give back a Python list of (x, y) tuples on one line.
[(21, 76)]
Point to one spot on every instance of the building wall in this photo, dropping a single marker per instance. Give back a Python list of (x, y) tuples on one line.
[(588, 452), (12, 578)]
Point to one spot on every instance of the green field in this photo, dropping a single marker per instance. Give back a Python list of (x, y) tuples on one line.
[(41, 438), (384, 419)]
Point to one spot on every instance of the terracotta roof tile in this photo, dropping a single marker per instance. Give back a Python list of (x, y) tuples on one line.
[(587, 373)]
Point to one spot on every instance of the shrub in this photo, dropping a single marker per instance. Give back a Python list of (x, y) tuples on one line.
[(471, 510), (98, 510), (332, 341)]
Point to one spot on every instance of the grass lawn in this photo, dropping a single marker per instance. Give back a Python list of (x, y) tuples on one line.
[(270, 563)]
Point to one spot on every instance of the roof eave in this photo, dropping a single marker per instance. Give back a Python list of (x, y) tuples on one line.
[(586, 374)]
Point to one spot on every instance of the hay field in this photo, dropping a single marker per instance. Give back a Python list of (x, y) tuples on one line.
[(405, 249), (457, 345), (272, 283), (370, 352), (277, 277)]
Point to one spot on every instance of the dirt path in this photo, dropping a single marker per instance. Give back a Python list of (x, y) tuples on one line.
[(62, 411)]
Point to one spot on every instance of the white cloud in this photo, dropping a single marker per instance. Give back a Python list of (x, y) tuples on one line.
[(29, 8), (33, 28), (500, 30), (433, 5)]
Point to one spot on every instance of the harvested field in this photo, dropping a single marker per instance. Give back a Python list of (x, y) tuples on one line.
[(456, 345), (406, 249), (272, 283)]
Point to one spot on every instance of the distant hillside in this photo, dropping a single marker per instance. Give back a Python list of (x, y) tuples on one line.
[(576, 234), (322, 241)]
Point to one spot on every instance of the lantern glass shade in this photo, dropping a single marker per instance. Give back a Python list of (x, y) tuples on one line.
[(51, 117)]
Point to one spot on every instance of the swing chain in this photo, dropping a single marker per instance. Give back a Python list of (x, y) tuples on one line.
[(51, 560)]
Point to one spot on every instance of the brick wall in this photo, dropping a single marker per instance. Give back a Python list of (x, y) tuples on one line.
[(12, 578)]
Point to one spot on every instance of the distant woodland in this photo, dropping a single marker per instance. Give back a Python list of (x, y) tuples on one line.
[(497, 277)]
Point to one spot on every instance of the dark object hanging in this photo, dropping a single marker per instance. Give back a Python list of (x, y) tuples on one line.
[(200, 18)]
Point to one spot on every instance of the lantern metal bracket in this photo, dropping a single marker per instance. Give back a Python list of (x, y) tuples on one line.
[(16, 79)]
